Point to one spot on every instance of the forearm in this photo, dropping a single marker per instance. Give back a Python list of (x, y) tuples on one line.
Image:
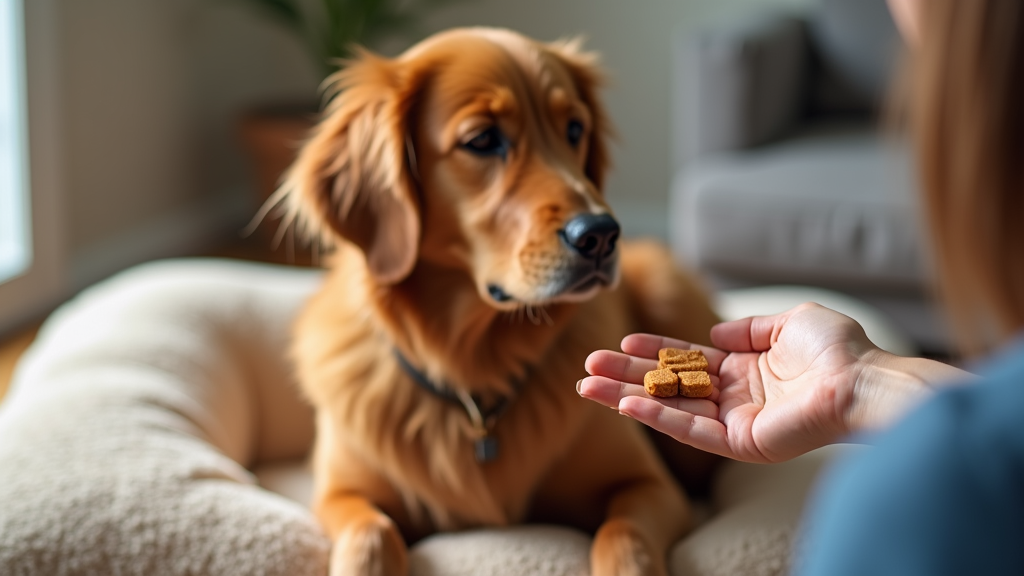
[(891, 385)]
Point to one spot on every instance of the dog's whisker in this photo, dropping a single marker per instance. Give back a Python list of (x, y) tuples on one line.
[(547, 317), (534, 319), (287, 222), (276, 200)]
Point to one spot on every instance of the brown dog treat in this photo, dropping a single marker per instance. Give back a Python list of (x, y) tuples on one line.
[(695, 384), (671, 353), (682, 360), (694, 366), (661, 383)]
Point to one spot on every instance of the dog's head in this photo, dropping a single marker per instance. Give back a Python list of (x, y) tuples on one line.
[(478, 150)]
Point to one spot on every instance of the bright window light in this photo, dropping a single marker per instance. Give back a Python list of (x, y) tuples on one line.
[(15, 234)]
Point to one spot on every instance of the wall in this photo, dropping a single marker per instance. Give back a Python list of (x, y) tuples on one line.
[(151, 91)]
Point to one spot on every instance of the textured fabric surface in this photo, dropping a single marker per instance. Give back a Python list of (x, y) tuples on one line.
[(127, 440), (834, 208), (533, 550), (129, 424), (758, 509), (855, 46), (741, 85)]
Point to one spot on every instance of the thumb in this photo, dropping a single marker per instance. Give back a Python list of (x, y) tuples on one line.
[(751, 334)]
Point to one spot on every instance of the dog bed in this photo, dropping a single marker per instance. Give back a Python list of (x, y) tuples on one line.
[(154, 428)]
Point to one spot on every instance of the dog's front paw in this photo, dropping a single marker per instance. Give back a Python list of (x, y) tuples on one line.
[(620, 550), (372, 548)]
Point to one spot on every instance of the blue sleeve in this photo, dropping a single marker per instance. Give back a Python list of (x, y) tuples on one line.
[(941, 493)]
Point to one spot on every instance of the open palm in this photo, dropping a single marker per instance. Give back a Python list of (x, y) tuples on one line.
[(784, 384)]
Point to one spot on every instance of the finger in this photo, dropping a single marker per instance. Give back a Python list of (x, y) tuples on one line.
[(751, 334), (647, 346), (618, 366), (703, 433), (610, 392), (607, 391), (703, 407), (733, 336)]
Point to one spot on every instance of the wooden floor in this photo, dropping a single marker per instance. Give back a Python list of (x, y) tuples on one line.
[(255, 249), (10, 350)]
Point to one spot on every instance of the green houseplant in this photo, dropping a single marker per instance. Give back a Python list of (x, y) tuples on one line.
[(330, 29)]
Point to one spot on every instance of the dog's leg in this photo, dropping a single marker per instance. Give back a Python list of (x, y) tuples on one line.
[(612, 480), (366, 541), (635, 538)]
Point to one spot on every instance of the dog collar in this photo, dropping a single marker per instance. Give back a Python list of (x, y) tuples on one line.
[(483, 420)]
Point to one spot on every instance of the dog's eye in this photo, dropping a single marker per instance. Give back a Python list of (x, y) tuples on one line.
[(574, 132), (490, 142)]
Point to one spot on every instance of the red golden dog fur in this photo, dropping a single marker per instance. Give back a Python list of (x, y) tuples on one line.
[(445, 178)]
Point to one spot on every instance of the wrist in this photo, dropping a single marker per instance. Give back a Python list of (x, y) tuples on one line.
[(887, 387)]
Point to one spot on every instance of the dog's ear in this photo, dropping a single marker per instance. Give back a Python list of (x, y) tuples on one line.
[(589, 78), (354, 178)]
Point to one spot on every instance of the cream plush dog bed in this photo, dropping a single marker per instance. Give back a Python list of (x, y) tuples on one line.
[(154, 428)]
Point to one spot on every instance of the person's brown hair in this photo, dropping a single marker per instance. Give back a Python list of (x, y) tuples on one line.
[(967, 113)]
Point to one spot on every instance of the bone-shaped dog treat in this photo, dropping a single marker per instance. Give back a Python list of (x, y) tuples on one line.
[(661, 383), (694, 384), (678, 360)]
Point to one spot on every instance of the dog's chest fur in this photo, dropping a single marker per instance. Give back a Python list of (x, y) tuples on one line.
[(412, 451)]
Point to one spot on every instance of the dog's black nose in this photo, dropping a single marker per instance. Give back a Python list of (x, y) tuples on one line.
[(592, 235)]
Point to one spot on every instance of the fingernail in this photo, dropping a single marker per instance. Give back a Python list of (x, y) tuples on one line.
[(579, 386)]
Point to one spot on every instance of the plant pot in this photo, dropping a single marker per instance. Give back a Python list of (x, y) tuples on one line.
[(271, 137)]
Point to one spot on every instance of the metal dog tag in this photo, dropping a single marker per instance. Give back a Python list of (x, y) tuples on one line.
[(486, 449)]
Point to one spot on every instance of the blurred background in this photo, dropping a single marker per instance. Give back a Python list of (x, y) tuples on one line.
[(137, 120)]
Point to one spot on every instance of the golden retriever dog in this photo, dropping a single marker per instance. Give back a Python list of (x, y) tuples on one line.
[(476, 265)]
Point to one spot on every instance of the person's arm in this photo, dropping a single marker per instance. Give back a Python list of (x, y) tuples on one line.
[(890, 385)]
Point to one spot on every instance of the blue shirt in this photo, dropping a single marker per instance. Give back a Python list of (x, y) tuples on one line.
[(941, 493)]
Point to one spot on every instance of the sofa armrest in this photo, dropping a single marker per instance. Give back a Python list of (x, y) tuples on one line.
[(739, 86)]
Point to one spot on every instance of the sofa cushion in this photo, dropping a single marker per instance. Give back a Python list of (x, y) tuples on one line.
[(738, 85), (833, 208), (855, 46)]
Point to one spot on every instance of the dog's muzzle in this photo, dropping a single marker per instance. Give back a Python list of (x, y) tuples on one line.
[(590, 263)]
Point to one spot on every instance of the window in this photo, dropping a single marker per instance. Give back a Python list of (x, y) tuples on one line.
[(32, 264), (15, 233)]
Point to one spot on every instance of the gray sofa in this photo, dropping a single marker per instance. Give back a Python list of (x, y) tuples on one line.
[(784, 171)]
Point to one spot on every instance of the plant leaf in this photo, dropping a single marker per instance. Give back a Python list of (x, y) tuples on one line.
[(331, 29), (284, 10)]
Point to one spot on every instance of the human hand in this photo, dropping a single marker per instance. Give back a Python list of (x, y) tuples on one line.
[(785, 385)]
